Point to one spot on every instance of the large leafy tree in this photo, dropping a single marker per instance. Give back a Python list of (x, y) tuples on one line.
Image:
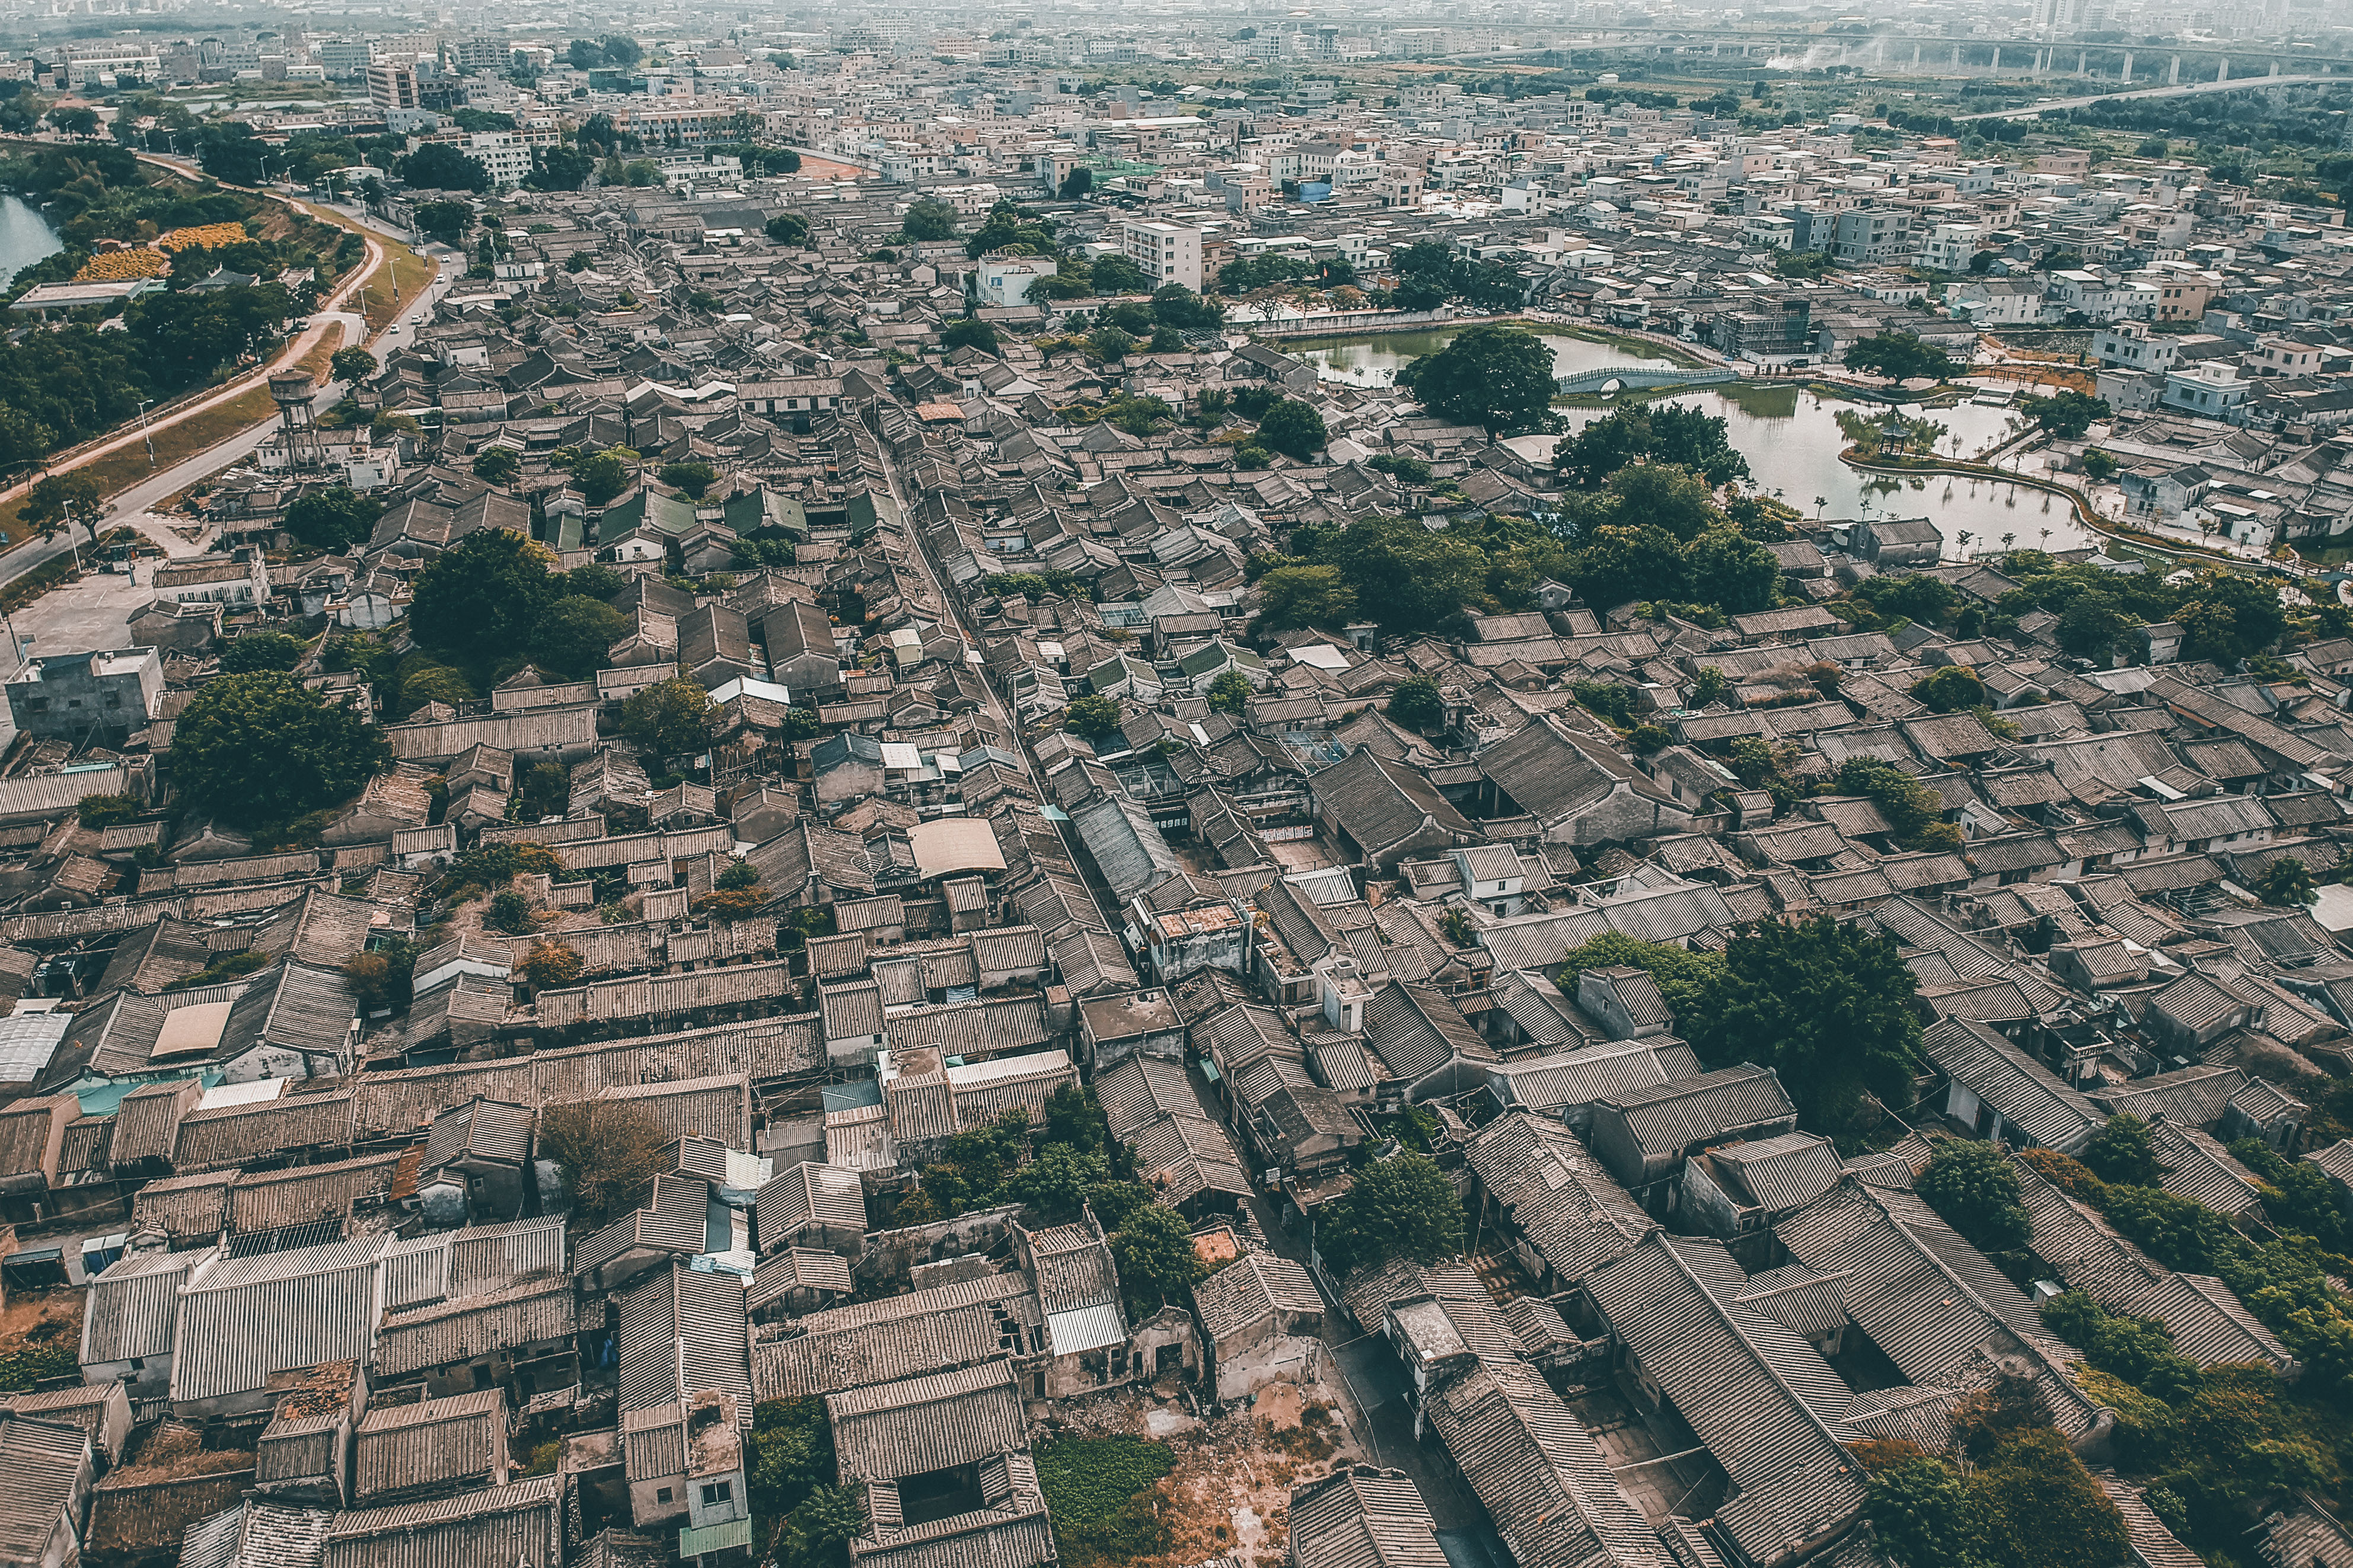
[(333, 518), (263, 749), (1293, 428), (1157, 1262), (1294, 597), (1400, 1207), (669, 718), (1733, 572), (601, 475), (1829, 1006), (1901, 356), (1669, 433), (2067, 413), (1405, 576), (485, 597), (1974, 1189), (1417, 704), (1619, 563), (439, 166), (573, 635), (2228, 617), (930, 218), (64, 502), (1650, 495), (1498, 378)]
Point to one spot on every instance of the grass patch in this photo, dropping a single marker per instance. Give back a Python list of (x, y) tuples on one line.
[(1100, 1492), (53, 572)]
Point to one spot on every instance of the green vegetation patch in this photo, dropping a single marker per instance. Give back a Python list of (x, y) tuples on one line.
[(1099, 1491)]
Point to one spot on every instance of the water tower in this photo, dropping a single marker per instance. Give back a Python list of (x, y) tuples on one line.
[(292, 391)]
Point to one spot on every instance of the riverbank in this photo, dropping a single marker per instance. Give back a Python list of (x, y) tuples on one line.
[(2132, 540)]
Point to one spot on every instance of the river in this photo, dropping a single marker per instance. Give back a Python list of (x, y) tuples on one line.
[(26, 237), (1791, 437)]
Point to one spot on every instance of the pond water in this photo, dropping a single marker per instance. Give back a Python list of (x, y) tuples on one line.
[(1374, 361), (1791, 437), (26, 237)]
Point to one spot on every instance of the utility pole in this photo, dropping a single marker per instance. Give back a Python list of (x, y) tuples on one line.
[(146, 435)]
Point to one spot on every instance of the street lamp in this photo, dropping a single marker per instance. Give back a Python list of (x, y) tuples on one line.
[(145, 435)]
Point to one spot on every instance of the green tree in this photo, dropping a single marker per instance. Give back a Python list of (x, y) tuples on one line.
[(483, 598), (669, 718), (1974, 1189), (2042, 1510), (1293, 428), (1078, 184), (1923, 1515), (1174, 305), (252, 651), (350, 364), (63, 503), (1055, 1183), (930, 218), (1618, 564), (1416, 705), (2286, 882), (971, 333), (1732, 571), (1400, 1207), (560, 168), (1950, 688), (1900, 356), (1684, 976), (1230, 691), (1686, 438), (574, 635), (2067, 413), (2227, 617), (789, 229), (499, 465), (262, 749), (693, 476), (1118, 275), (439, 166), (1153, 1249), (334, 519), (600, 476), (608, 1150), (2101, 466), (1499, 378), (1827, 1005), (2121, 1153), (1650, 495), (1093, 719), (1404, 576)]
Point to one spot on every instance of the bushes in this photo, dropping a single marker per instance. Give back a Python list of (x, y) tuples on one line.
[(1973, 1189), (1099, 1495)]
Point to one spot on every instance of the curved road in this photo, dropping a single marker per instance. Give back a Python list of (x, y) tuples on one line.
[(350, 328)]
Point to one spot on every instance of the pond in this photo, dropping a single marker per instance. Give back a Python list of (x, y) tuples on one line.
[(1374, 361), (1791, 437), (26, 237)]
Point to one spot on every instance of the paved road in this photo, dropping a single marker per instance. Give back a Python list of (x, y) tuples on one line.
[(349, 328), (2182, 89)]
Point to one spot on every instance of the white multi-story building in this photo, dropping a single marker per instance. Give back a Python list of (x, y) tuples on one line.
[(1167, 253), (1949, 245), (505, 155)]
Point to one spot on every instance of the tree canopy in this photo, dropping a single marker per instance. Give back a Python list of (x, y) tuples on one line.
[(1499, 378), (1400, 1207), (261, 749), (1900, 356), (1827, 1005), (334, 519), (484, 596), (669, 718), (2068, 414), (1668, 433)]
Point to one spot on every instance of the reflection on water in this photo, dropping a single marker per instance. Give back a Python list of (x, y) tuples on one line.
[(26, 237), (1791, 437), (1374, 361)]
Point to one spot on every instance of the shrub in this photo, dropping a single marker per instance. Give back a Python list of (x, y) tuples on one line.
[(551, 966), (609, 1151)]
